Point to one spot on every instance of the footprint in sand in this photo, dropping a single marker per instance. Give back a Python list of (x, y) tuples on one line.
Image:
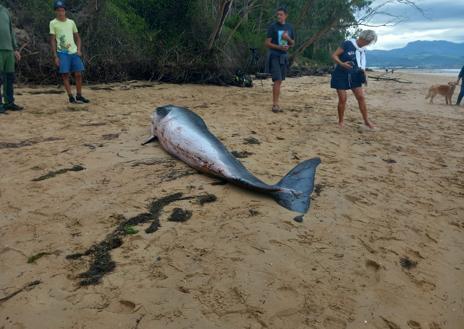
[(373, 269), (331, 322), (434, 325), (287, 293), (414, 325), (122, 307)]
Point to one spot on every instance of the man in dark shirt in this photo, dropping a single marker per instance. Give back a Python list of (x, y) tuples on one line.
[(8, 54), (280, 37), (461, 94)]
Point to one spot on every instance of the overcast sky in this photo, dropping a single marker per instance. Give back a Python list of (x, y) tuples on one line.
[(441, 20)]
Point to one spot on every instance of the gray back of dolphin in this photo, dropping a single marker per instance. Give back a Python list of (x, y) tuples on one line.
[(185, 135)]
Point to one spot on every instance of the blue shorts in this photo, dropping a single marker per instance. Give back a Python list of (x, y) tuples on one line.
[(344, 80), (70, 63)]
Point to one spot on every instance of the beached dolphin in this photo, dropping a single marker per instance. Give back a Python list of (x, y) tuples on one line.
[(185, 135)]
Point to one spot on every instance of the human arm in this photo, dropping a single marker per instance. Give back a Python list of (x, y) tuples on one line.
[(78, 41), (336, 58), (53, 45), (54, 52), (288, 36), (14, 43), (77, 38), (270, 45)]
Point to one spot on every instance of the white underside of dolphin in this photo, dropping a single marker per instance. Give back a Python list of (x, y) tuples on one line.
[(185, 135)]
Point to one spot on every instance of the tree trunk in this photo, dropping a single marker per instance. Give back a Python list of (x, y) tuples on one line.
[(224, 9)]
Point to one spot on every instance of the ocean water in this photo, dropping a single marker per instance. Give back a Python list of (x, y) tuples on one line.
[(440, 72)]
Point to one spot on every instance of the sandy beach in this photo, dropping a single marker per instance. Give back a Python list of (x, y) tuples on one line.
[(381, 248)]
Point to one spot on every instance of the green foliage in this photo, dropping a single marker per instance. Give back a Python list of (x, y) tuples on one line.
[(126, 17), (166, 39)]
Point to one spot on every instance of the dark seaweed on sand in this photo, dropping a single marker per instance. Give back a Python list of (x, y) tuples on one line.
[(32, 259), (101, 261), (180, 215), (207, 198), (241, 155), (251, 141), (317, 190), (407, 263), (52, 174)]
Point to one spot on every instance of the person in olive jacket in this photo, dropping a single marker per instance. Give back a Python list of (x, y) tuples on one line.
[(9, 54)]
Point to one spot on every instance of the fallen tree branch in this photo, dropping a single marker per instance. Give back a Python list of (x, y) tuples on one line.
[(376, 78)]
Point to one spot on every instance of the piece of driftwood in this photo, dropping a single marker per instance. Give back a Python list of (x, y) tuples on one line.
[(377, 78)]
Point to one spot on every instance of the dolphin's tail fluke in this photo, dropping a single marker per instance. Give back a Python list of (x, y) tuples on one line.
[(297, 187)]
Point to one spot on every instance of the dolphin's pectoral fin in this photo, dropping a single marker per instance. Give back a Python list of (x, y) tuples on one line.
[(150, 140)]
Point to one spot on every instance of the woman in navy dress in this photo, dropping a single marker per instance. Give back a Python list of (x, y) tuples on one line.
[(350, 73), (461, 94)]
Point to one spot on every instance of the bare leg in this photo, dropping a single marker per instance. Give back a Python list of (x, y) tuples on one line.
[(359, 93), (341, 107), (276, 92), (67, 84), (78, 77)]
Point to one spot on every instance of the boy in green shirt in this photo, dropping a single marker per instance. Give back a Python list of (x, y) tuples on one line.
[(8, 54), (66, 47)]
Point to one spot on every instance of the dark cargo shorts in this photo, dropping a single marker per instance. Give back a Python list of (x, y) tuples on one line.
[(278, 68)]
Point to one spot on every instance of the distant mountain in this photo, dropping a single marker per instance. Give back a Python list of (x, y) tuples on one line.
[(421, 54)]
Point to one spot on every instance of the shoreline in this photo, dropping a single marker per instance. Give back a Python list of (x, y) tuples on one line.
[(430, 72)]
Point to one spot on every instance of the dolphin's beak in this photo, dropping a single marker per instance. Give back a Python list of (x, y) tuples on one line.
[(150, 140)]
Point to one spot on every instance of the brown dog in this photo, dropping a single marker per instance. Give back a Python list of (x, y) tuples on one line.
[(444, 90)]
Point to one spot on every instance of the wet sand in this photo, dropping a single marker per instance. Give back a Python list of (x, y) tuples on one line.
[(381, 248)]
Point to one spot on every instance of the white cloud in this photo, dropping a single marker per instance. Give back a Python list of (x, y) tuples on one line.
[(390, 38), (442, 20)]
